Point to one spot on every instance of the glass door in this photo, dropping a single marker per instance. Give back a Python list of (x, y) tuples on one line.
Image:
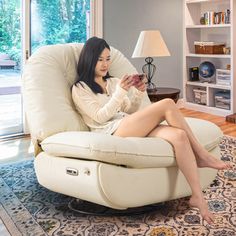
[(57, 21), (11, 121)]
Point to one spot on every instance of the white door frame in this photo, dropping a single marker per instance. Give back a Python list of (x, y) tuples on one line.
[(25, 24), (97, 18), (25, 31)]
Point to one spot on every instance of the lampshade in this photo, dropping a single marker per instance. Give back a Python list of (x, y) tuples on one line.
[(150, 44)]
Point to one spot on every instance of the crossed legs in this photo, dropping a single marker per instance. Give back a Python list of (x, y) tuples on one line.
[(149, 119), (146, 122)]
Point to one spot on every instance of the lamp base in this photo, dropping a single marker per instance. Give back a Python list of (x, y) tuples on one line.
[(151, 87), (149, 70)]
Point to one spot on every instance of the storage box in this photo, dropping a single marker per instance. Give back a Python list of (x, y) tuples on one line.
[(222, 100), (200, 96), (209, 47), (193, 74), (231, 118), (223, 77)]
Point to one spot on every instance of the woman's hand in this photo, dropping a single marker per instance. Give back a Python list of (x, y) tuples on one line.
[(126, 82), (140, 84)]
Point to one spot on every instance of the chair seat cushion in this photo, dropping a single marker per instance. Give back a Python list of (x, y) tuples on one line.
[(133, 152)]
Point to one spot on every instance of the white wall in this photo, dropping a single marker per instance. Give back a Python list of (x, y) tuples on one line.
[(123, 21)]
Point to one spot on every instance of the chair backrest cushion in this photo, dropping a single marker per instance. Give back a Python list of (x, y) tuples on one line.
[(46, 85)]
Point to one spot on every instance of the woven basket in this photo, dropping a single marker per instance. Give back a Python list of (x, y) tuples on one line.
[(209, 48)]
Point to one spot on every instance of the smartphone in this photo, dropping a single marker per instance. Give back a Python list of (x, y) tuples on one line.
[(141, 76), (137, 78)]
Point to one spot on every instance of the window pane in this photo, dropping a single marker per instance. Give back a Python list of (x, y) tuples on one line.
[(59, 21), (10, 68)]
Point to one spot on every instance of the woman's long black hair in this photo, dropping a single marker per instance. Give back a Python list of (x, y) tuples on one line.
[(89, 55)]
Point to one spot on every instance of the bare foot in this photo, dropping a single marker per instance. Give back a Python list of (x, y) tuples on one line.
[(207, 160), (201, 204)]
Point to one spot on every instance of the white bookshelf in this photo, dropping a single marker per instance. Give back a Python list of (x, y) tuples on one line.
[(201, 1), (208, 55), (223, 33), (208, 26)]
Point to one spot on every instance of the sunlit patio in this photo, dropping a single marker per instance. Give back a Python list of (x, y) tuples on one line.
[(10, 102)]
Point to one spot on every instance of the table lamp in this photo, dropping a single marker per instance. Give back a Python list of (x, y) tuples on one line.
[(150, 44)]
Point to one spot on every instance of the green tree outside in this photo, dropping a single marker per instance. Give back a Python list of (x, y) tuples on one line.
[(10, 35), (64, 21), (52, 22)]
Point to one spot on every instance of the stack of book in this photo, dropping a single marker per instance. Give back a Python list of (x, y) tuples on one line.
[(211, 17)]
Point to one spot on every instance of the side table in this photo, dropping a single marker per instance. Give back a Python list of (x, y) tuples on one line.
[(162, 93)]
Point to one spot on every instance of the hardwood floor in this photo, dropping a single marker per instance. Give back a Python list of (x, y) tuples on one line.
[(227, 127), (15, 150)]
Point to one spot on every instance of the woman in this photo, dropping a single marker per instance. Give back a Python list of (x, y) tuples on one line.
[(105, 107)]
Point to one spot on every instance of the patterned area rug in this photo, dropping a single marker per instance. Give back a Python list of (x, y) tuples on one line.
[(27, 208)]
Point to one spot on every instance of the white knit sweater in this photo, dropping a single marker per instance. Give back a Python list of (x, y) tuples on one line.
[(104, 112)]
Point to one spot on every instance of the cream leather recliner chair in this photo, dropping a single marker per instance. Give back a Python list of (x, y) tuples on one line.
[(111, 171)]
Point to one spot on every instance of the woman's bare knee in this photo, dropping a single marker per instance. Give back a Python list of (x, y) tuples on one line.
[(175, 136), (168, 102), (165, 105), (180, 138)]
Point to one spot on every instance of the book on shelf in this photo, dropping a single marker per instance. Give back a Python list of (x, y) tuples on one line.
[(212, 18)]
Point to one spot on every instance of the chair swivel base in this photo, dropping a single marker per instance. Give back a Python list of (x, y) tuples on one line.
[(89, 208)]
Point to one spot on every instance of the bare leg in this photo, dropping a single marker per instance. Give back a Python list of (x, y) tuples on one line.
[(151, 116), (187, 164), (185, 159), (203, 157)]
